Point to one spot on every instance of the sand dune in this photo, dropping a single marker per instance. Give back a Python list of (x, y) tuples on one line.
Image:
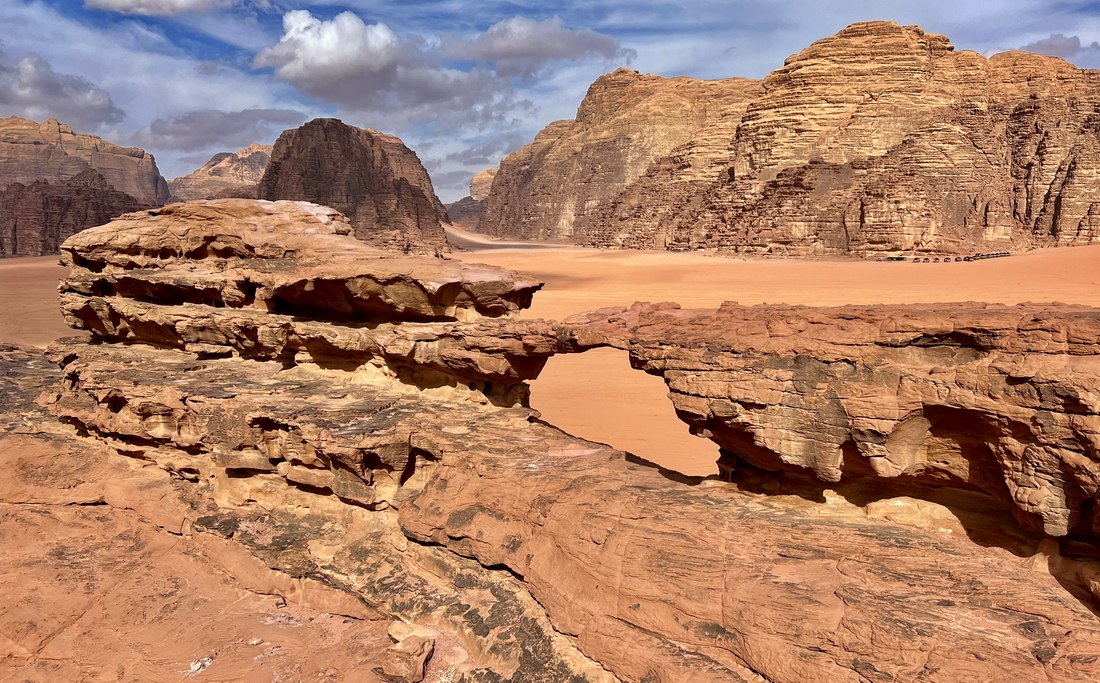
[(597, 395)]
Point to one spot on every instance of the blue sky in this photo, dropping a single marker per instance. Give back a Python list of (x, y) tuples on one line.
[(463, 83)]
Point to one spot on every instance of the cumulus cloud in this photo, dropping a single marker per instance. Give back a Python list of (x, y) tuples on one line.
[(209, 128), (323, 53), (520, 46), (370, 69), (154, 8), (31, 88)]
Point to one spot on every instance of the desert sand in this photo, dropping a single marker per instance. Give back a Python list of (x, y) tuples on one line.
[(597, 395)]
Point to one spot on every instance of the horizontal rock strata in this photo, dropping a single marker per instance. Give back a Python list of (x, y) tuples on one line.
[(550, 188), (1003, 400), (881, 140), (226, 175), (52, 151), (389, 452)]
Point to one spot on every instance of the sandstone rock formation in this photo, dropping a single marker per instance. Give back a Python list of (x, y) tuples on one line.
[(371, 177), (360, 418), (52, 151), (482, 183), (880, 140), (226, 175), (549, 188), (37, 217), (1000, 400), (466, 212)]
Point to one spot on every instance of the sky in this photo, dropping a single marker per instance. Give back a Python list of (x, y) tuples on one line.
[(462, 83)]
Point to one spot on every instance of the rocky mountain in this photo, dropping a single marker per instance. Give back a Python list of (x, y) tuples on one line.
[(371, 177), (227, 174), (35, 218), (52, 151), (903, 493), (627, 121), (880, 140), (466, 212)]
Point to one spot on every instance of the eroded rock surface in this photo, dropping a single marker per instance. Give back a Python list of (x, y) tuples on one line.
[(389, 452), (37, 217), (1002, 400), (371, 177), (550, 188), (226, 175), (53, 151), (879, 140)]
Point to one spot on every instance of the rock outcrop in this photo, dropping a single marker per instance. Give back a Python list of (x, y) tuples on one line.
[(1000, 400), (466, 212), (880, 140), (360, 418), (37, 217), (226, 175), (53, 152), (371, 177), (550, 188)]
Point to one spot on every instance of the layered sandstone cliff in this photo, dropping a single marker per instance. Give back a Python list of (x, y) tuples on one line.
[(35, 218), (371, 177), (880, 140), (550, 188), (52, 151), (226, 175), (359, 419)]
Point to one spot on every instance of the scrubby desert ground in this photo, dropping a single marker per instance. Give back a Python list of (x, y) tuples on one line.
[(597, 395)]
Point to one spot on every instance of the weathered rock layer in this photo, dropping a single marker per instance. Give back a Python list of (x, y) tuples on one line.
[(53, 152), (361, 418), (371, 177), (35, 218), (880, 140), (226, 175)]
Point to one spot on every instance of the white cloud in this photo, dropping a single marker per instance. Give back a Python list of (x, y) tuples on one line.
[(327, 52), (520, 46), (31, 88), (153, 8)]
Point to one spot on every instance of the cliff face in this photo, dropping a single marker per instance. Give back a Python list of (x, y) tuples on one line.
[(880, 140), (371, 177), (52, 151), (359, 419), (467, 211), (37, 217), (549, 188), (228, 174)]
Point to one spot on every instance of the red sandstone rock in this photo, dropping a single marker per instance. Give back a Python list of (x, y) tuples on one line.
[(226, 175), (371, 177)]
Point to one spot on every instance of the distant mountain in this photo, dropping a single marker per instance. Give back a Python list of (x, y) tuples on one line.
[(227, 174), (53, 152), (879, 140), (371, 177), (35, 218)]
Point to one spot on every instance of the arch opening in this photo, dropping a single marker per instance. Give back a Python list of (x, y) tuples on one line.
[(596, 395)]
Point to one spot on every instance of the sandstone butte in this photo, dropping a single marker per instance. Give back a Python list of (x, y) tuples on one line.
[(227, 174), (466, 212), (881, 140), (905, 492), (371, 177)]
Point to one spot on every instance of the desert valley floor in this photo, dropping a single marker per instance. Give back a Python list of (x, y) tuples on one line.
[(597, 395)]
